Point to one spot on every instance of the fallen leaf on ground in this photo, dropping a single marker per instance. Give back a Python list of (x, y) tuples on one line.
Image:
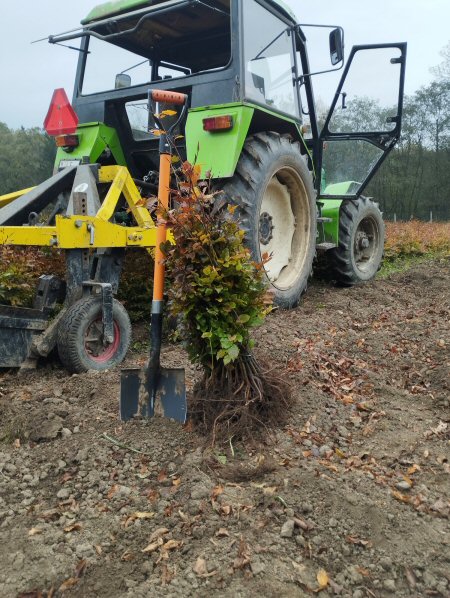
[(243, 557), (138, 515), (69, 583), (74, 527), (400, 497), (439, 429), (363, 572), (199, 567), (222, 533), (162, 476), (410, 578), (50, 514), (112, 491), (358, 541), (80, 568), (172, 545), (413, 469), (304, 525), (153, 546), (322, 579), (217, 491), (127, 556), (158, 533), (34, 531)]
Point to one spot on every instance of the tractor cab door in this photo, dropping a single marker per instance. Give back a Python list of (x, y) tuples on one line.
[(364, 121)]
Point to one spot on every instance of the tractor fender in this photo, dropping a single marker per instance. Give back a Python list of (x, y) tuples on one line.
[(218, 152)]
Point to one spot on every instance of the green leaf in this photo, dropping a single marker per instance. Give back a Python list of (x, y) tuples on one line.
[(233, 352), (243, 318)]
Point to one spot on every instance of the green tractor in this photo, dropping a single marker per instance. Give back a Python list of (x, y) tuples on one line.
[(244, 68)]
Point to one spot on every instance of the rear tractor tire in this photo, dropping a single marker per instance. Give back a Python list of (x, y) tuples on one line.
[(81, 345), (273, 189), (359, 254)]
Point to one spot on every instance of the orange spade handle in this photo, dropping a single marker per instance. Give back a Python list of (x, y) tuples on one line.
[(168, 97), (161, 232)]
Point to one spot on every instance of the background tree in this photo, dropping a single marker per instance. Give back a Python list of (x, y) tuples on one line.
[(26, 158)]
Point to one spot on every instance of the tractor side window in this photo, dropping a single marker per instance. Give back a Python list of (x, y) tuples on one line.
[(137, 113), (170, 71), (269, 61)]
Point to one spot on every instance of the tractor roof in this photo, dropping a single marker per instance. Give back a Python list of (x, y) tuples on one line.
[(116, 7)]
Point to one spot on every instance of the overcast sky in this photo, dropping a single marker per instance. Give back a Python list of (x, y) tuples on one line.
[(30, 73)]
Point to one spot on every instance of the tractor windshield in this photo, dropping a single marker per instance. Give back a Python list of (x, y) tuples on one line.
[(189, 38)]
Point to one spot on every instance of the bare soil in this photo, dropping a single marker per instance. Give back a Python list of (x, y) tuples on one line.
[(351, 498)]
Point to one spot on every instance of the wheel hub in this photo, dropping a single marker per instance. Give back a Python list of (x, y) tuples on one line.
[(365, 245), (362, 240), (266, 227), (96, 346), (276, 228)]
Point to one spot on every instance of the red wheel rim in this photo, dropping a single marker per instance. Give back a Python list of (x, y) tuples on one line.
[(104, 354)]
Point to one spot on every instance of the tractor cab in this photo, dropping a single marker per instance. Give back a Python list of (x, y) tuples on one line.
[(210, 51), (245, 60)]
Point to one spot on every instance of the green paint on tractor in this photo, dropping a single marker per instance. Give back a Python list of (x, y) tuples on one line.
[(115, 7), (217, 152), (94, 139), (329, 231), (342, 188)]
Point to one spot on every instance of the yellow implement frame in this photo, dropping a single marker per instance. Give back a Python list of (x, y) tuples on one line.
[(90, 232)]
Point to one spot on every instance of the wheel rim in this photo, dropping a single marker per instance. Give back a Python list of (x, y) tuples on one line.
[(366, 244), (94, 342), (284, 227)]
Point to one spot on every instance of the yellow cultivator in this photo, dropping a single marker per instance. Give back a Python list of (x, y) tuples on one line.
[(92, 330)]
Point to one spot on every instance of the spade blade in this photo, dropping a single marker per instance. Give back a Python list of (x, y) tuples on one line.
[(144, 395)]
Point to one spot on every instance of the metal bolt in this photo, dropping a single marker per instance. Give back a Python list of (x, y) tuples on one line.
[(78, 223)]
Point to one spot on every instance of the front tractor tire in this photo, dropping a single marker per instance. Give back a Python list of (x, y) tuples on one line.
[(80, 343), (359, 254), (273, 189)]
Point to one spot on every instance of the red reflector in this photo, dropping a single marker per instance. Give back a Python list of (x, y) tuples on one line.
[(61, 118), (218, 123), (66, 141)]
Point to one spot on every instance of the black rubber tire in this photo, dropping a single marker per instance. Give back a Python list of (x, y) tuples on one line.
[(72, 331), (357, 217), (268, 157)]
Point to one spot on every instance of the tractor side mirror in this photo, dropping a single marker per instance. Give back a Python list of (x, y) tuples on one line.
[(122, 80), (336, 46)]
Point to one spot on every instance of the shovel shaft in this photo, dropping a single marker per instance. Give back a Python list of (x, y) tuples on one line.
[(161, 234)]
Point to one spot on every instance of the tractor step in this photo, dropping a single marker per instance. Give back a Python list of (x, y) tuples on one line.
[(322, 247), (18, 327)]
